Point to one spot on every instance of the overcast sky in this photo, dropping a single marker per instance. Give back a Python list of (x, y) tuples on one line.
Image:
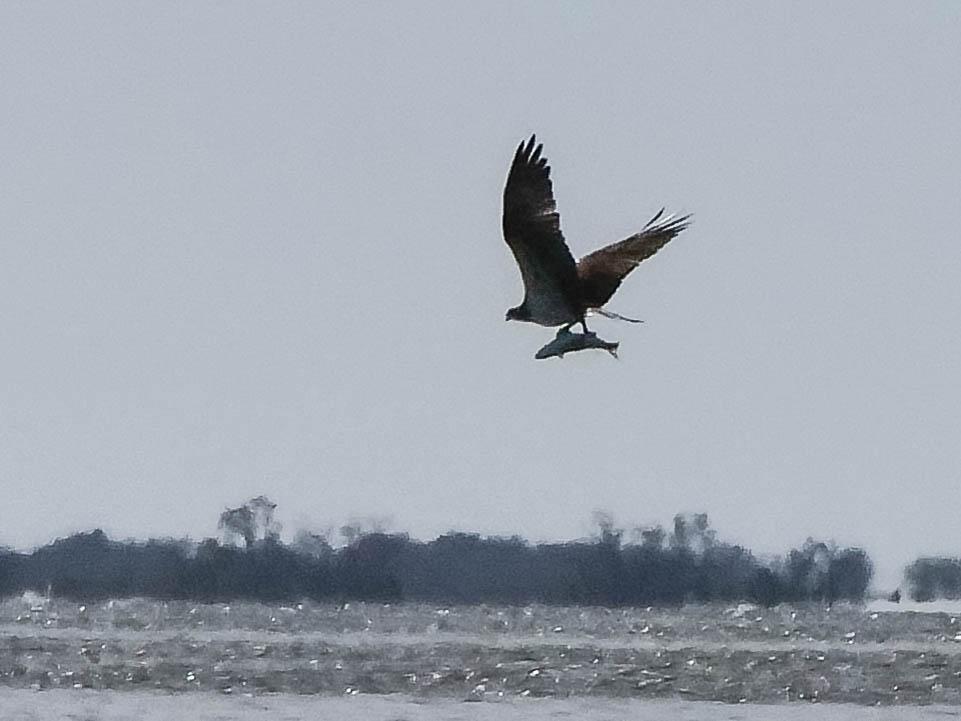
[(255, 248)]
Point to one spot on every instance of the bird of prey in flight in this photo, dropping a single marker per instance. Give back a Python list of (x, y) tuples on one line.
[(558, 291)]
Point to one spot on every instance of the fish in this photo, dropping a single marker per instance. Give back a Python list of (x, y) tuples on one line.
[(567, 342)]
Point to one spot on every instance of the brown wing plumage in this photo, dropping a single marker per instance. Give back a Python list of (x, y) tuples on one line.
[(532, 229), (602, 271)]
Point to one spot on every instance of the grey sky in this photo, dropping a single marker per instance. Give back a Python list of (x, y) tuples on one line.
[(255, 248)]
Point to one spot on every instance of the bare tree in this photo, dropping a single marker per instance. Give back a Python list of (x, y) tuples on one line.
[(357, 528), (263, 512), (252, 521), (239, 522)]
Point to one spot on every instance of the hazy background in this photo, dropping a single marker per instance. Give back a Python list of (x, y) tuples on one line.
[(255, 248)]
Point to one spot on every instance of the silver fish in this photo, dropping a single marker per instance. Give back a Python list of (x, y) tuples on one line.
[(567, 342)]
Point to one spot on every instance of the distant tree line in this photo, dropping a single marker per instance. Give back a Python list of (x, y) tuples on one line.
[(929, 578), (654, 566)]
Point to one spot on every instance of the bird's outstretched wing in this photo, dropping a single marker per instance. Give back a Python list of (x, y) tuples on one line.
[(532, 229), (602, 271)]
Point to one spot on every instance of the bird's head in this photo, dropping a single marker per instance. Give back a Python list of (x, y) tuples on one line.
[(518, 313)]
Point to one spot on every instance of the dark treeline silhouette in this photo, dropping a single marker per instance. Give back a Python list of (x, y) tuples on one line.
[(687, 564), (931, 577)]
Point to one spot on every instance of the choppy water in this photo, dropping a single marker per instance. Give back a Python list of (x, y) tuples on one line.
[(23, 705), (426, 661)]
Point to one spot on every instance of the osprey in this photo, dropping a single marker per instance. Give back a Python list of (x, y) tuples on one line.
[(558, 291)]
